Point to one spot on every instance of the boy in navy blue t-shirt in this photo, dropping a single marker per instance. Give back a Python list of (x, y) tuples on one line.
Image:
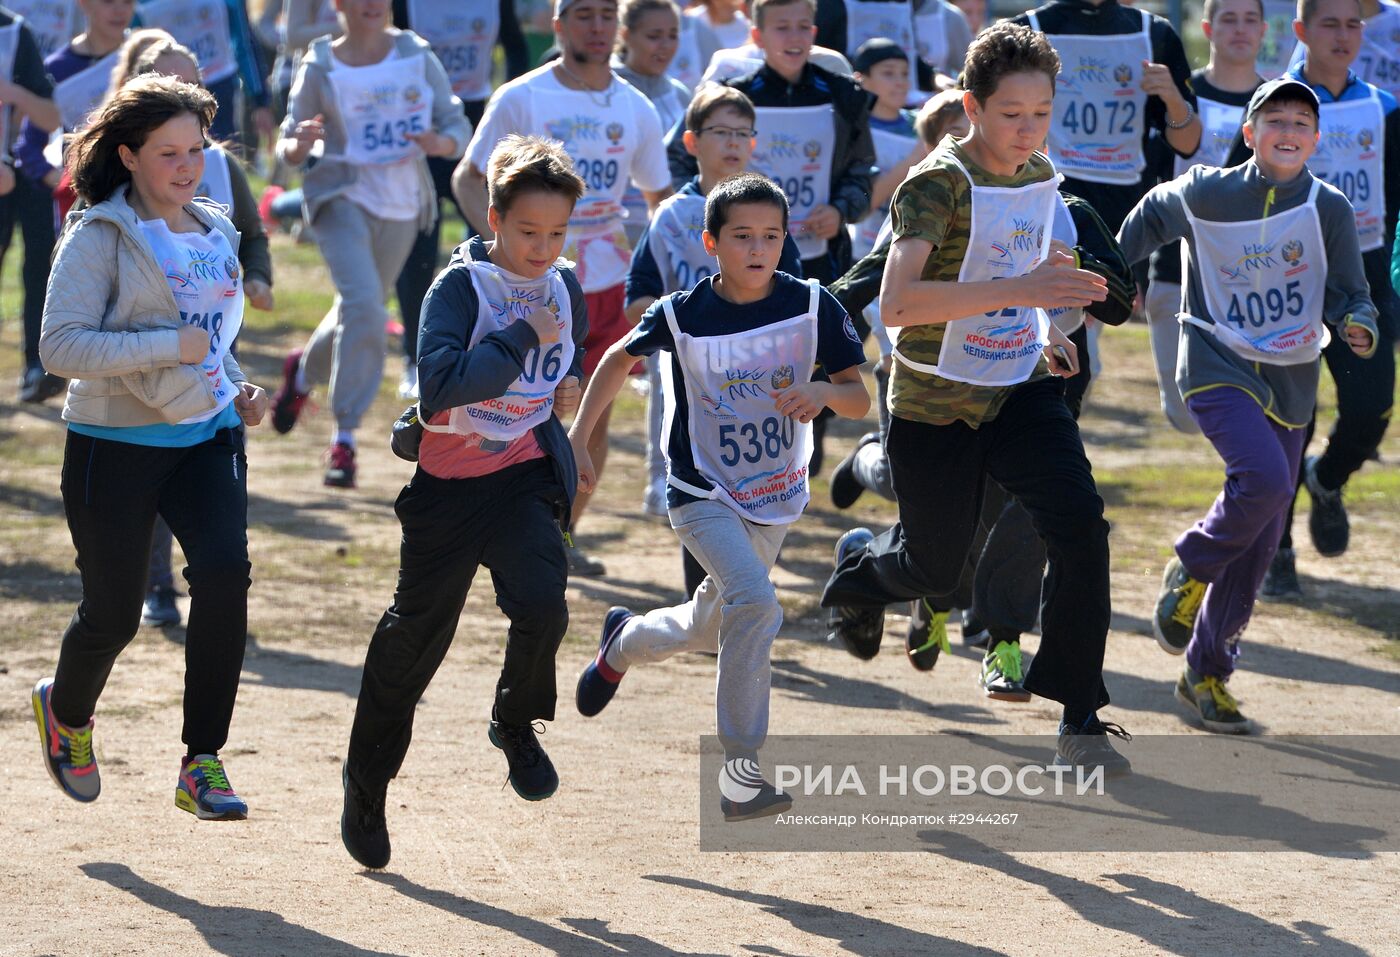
[(739, 412)]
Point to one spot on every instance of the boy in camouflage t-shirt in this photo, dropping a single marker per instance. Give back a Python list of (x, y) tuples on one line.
[(977, 392)]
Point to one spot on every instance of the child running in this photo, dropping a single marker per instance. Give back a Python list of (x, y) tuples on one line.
[(1271, 254), (145, 299), (971, 274), (500, 354), (742, 345)]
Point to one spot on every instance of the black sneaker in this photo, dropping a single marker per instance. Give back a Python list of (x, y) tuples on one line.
[(581, 563), (160, 610), (1001, 675), (859, 630), (845, 487), (1327, 520), (1089, 747), (532, 774), (1281, 580), (928, 634), (974, 633), (744, 795), (363, 830)]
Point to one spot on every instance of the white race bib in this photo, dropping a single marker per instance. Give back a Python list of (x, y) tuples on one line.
[(201, 25), (1276, 52), (674, 240), (1099, 108), (890, 149), (867, 20), (1351, 156), (1378, 62), (1267, 284), (756, 457), (382, 105), (80, 94), (794, 150), (206, 280), (1220, 124), (462, 37), (931, 40), (53, 22), (218, 181), (686, 65)]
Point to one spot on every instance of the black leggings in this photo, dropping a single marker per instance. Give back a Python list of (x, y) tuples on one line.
[(112, 492), (421, 267), (30, 205)]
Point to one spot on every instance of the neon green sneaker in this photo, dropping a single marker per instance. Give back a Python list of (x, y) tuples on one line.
[(1178, 603), (1001, 673), (928, 634)]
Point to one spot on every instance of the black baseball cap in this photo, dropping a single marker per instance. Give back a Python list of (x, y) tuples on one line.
[(875, 51), (1272, 89)]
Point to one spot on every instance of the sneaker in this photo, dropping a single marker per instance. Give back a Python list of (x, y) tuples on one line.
[(204, 791), (654, 500), (340, 466), (532, 774), (287, 402), (67, 751), (598, 683), (974, 633), (1089, 747), (1211, 703), (36, 385), (928, 635), (1001, 673), (1177, 605), (744, 795), (1327, 521), (845, 487), (160, 610), (583, 564), (1281, 580), (408, 382), (859, 630), (362, 828)]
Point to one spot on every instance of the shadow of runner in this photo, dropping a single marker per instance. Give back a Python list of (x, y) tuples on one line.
[(854, 932), (593, 937), (1174, 919), (234, 931), (280, 668), (829, 687)]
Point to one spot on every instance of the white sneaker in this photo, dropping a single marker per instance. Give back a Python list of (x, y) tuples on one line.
[(654, 501), (408, 384)]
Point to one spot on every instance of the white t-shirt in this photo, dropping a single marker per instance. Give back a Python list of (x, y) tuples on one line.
[(387, 190), (735, 33), (613, 136)]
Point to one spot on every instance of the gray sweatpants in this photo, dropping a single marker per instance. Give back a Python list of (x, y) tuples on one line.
[(365, 255), (735, 611), (1162, 304)]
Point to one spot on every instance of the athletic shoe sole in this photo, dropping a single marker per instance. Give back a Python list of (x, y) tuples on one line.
[(1215, 727), (1115, 770), (186, 802), (344, 838), (741, 812), (1021, 697)]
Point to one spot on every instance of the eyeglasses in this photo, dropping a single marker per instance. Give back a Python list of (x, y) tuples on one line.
[(727, 133)]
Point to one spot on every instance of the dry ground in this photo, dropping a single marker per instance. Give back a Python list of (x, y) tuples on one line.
[(610, 866)]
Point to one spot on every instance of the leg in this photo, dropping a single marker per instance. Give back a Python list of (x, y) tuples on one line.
[(1232, 546), (1037, 457), (438, 557), (159, 574), (411, 287), (205, 501), (525, 552), (871, 465), (1163, 301), (656, 441), (34, 205), (109, 492)]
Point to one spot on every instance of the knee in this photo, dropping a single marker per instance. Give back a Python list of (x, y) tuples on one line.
[(757, 605), (228, 576), (547, 617), (1267, 490)]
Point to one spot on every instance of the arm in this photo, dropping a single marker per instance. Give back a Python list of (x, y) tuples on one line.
[(603, 387), (644, 283), (860, 286), (1097, 252), (469, 189), (850, 187), (1168, 82), (887, 182), (253, 251), (1159, 218), (301, 23), (304, 123), (31, 92), (448, 119), (649, 166), (512, 41), (845, 394), (1347, 302)]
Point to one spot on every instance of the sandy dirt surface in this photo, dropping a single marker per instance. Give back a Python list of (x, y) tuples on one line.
[(611, 864)]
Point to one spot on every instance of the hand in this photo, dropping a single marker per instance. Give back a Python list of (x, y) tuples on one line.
[(264, 123), (1157, 81), (1057, 283), (1060, 246), (587, 477), (258, 294), (1358, 338), (545, 325), (1062, 355), (802, 402), (307, 134), (886, 364), (194, 345), (566, 396), (7, 179), (823, 221), (433, 143), (251, 404)]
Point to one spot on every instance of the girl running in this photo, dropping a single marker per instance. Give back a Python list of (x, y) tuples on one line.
[(145, 299), (380, 103)]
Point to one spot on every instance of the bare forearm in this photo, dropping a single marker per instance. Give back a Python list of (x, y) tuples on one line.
[(603, 386), (850, 400), (42, 112), (634, 309), (926, 303), (469, 189)]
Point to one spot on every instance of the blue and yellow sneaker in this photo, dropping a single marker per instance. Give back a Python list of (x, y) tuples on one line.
[(1210, 703), (67, 751), (1178, 603), (204, 791)]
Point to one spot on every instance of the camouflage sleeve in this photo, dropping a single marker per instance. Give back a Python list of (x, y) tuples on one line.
[(923, 206)]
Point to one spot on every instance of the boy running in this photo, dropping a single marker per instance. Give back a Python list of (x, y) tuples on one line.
[(1276, 258), (742, 345)]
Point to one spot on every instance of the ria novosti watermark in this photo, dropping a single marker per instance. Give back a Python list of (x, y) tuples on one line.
[(1187, 792)]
